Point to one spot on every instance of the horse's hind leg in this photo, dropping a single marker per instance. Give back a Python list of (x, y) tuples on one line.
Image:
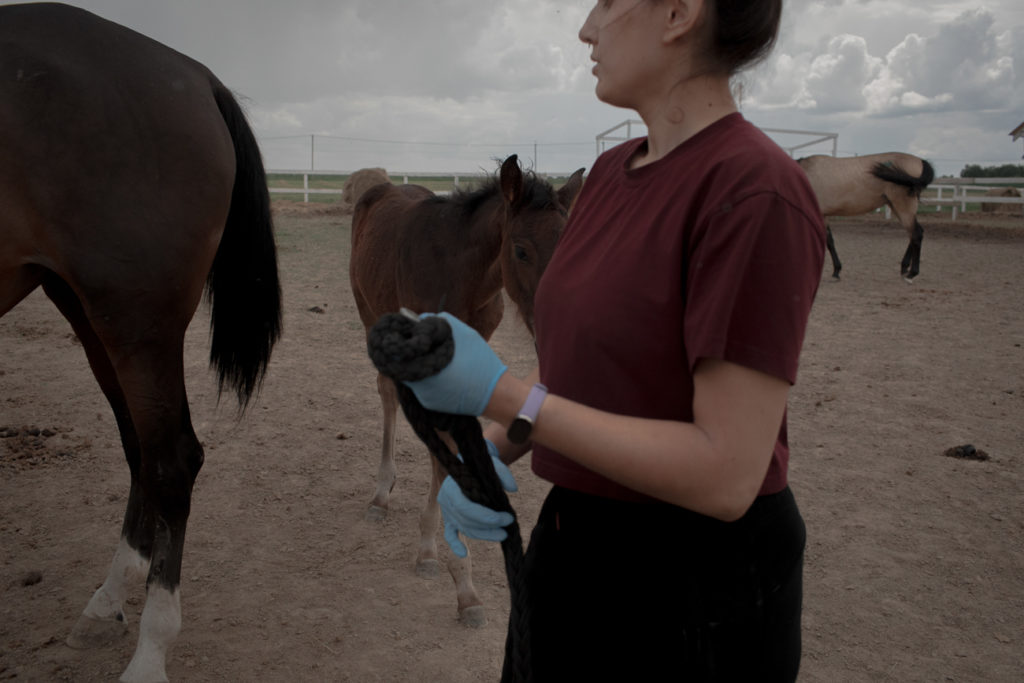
[(387, 473), (905, 208), (171, 457), (103, 619), (910, 266), (831, 244), (144, 382)]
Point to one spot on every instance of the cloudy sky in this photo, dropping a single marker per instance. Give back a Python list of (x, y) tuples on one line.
[(451, 85)]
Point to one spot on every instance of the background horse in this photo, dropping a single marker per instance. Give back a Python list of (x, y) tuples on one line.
[(130, 183), (850, 186), (427, 253), (358, 183)]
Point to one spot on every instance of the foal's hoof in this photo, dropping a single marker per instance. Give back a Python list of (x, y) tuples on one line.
[(90, 633), (376, 513), (428, 569), (473, 617)]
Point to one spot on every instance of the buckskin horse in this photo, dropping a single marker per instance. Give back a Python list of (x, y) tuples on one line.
[(413, 249), (850, 186), (131, 183)]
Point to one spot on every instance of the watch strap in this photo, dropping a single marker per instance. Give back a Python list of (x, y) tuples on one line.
[(520, 428), (531, 406)]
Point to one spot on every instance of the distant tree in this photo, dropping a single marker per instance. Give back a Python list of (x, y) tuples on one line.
[(1004, 171)]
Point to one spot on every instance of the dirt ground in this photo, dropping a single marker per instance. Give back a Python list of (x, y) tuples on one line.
[(915, 560)]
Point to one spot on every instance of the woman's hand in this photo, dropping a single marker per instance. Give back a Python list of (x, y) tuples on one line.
[(461, 515), (465, 385)]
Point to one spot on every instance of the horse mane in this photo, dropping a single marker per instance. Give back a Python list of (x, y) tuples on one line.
[(537, 193)]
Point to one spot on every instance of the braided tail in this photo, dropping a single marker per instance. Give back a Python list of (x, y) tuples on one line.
[(404, 349)]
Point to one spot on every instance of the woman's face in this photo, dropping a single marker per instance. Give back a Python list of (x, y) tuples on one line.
[(623, 36)]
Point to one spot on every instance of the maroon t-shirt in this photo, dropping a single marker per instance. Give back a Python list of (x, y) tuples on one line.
[(617, 327)]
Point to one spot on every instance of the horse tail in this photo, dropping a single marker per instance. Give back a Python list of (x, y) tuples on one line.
[(890, 172), (243, 287)]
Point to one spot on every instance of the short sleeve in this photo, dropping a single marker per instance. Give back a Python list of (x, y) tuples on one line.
[(753, 270)]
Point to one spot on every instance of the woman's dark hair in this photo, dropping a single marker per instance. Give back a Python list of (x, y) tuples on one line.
[(744, 31)]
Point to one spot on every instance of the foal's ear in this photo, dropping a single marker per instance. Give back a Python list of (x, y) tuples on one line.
[(511, 180), (567, 193)]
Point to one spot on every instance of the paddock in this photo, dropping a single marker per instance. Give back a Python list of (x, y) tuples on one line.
[(915, 560)]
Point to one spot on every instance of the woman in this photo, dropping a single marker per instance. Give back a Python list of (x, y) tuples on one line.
[(669, 323)]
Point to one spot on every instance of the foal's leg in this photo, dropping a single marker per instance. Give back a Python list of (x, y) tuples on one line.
[(470, 607), (387, 472)]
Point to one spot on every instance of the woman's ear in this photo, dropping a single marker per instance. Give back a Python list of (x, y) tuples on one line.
[(681, 17)]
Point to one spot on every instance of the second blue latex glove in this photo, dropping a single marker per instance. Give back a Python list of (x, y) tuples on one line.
[(461, 515), (465, 385)]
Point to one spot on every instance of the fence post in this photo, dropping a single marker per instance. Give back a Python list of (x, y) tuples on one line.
[(305, 188)]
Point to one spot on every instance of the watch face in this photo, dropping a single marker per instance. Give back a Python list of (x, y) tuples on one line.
[(519, 430)]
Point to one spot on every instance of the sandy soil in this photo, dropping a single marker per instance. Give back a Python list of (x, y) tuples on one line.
[(915, 560)]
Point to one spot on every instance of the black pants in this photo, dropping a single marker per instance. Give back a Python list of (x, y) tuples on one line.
[(652, 592)]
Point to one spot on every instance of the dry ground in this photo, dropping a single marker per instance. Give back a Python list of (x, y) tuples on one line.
[(915, 560)]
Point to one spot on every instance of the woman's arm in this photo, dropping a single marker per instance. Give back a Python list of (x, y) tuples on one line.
[(496, 432), (714, 465)]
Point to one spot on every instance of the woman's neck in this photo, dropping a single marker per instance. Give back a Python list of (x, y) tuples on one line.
[(688, 108)]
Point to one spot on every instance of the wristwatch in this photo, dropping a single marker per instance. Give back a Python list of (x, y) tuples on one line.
[(519, 430)]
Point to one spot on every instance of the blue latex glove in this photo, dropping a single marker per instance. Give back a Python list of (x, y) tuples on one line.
[(465, 385), (461, 515)]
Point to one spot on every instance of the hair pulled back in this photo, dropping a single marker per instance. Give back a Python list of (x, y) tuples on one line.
[(743, 31)]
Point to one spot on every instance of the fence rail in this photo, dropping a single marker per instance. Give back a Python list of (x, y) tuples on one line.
[(955, 193), (457, 179), (306, 190), (966, 191)]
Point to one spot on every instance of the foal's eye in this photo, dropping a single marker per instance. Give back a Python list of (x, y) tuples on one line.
[(520, 253)]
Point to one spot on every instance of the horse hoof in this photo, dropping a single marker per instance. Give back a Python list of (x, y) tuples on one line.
[(90, 633), (473, 617), (376, 513), (428, 569)]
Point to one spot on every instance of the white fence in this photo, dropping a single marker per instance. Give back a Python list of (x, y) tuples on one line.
[(306, 190), (959, 192), (956, 193)]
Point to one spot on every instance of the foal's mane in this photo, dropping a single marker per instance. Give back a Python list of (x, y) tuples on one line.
[(537, 194)]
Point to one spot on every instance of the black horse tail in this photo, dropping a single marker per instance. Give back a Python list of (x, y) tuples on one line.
[(889, 172), (243, 287)]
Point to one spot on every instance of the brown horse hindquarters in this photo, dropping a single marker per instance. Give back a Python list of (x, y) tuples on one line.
[(380, 225), (120, 166)]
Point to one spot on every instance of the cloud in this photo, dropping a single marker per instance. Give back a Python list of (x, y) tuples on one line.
[(834, 80), (969, 63), (486, 79)]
